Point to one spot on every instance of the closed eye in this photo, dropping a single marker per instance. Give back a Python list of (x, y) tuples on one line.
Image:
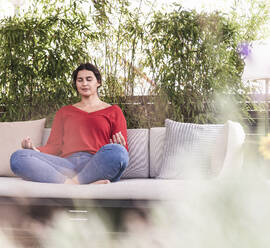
[(87, 78)]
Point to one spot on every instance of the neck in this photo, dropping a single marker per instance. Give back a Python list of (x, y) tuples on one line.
[(90, 101)]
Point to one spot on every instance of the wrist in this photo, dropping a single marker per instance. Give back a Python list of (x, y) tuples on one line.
[(35, 149)]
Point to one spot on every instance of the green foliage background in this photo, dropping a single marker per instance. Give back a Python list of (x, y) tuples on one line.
[(188, 60), (194, 58)]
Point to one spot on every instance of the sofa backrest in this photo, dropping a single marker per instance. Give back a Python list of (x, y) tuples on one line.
[(156, 140), (146, 151), (138, 143)]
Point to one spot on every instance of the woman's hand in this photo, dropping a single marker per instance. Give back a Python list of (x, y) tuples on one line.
[(27, 144), (118, 138)]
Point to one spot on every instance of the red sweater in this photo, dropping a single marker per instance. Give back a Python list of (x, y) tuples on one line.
[(74, 130)]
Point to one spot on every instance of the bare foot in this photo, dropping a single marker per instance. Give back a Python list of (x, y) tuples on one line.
[(101, 182), (70, 181), (75, 181)]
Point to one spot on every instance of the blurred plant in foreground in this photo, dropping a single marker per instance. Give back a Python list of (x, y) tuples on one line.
[(219, 213), (7, 242), (264, 147), (232, 212), (244, 49)]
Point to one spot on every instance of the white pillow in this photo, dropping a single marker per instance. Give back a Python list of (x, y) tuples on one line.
[(11, 134), (188, 150)]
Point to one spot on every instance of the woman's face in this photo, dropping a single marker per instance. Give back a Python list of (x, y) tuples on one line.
[(86, 83)]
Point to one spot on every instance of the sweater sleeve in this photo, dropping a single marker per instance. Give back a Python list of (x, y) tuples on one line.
[(119, 124), (54, 143)]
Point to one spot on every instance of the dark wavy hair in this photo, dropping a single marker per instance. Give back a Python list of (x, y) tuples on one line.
[(89, 67)]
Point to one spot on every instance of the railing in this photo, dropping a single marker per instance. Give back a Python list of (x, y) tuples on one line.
[(260, 117)]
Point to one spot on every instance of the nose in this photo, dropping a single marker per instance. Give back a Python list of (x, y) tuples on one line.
[(84, 82)]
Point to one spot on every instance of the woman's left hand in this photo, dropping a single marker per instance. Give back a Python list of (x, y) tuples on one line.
[(118, 138)]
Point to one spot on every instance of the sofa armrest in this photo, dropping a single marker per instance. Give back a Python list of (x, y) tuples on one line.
[(234, 151)]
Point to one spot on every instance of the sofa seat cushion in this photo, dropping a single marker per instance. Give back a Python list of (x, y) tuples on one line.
[(136, 189)]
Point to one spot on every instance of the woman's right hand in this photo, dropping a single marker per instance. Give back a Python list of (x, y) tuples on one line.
[(118, 138), (28, 144)]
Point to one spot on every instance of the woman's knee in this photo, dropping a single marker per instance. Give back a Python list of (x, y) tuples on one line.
[(21, 153), (122, 158), (17, 158), (117, 153)]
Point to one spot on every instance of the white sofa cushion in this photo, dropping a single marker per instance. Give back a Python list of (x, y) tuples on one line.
[(187, 150), (226, 157), (137, 139), (12, 134)]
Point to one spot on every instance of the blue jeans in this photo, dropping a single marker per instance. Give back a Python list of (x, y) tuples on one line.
[(108, 163)]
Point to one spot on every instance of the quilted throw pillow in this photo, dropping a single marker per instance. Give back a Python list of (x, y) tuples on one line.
[(188, 150)]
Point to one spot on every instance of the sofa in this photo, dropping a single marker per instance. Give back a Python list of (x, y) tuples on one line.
[(164, 162)]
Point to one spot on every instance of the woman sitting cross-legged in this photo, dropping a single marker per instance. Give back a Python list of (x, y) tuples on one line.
[(87, 143)]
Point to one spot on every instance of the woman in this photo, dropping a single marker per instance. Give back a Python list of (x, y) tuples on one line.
[(87, 143)]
